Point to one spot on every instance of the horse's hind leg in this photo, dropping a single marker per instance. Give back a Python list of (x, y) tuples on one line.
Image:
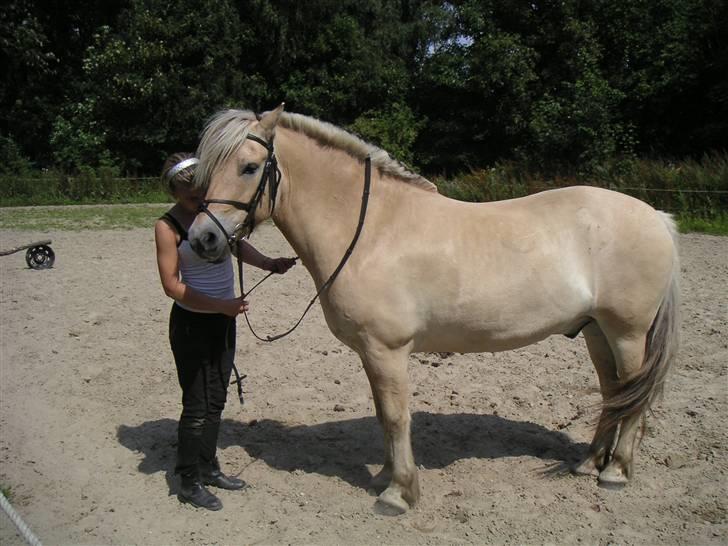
[(629, 353), (603, 359), (387, 372)]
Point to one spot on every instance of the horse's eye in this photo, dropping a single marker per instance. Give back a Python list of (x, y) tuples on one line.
[(250, 168)]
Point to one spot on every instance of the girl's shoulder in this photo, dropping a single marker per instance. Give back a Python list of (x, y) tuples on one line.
[(175, 221)]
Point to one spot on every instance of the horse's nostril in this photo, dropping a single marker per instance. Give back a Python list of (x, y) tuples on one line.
[(209, 238)]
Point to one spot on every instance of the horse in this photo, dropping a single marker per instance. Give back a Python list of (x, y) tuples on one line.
[(433, 274)]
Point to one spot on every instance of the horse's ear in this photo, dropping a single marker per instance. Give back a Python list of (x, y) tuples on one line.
[(268, 120)]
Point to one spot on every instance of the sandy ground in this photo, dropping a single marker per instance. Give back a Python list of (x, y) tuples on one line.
[(89, 402)]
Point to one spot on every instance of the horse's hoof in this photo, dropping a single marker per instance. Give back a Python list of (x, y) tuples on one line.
[(611, 486), (384, 509), (390, 504), (586, 468), (612, 478)]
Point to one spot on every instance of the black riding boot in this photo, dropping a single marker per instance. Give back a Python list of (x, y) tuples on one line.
[(189, 447), (211, 475), (209, 465), (193, 492)]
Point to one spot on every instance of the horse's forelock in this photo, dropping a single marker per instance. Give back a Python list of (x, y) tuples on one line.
[(224, 133)]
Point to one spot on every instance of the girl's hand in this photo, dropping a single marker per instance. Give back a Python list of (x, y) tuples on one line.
[(280, 265), (233, 307)]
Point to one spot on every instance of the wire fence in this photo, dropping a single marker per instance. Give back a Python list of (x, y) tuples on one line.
[(696, 202), (59, 189)]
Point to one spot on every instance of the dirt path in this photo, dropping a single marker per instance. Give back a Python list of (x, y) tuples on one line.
[(89, 402)]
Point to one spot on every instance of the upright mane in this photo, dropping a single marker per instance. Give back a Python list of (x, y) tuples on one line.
[(225, 132), (335, 137)]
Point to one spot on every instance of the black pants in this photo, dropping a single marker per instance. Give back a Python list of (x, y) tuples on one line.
[(203, 345)]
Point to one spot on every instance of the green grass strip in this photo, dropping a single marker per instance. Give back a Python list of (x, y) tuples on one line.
[(129, 216), (717, 225), (81, 217)]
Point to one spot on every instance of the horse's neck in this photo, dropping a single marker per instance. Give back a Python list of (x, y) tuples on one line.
[(320, 201)]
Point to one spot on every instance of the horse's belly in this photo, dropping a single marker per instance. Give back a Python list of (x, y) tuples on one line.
[(504, 331), (461, 341)]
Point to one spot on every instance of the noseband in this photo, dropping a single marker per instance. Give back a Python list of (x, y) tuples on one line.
[(272, 174)]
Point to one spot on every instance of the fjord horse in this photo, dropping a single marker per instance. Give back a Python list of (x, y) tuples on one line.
[(429, 273)]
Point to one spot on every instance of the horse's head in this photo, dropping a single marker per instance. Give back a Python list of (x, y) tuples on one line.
[(240, 171)]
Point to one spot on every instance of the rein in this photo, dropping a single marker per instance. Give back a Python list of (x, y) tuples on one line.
[(272, 174), (332, 277)]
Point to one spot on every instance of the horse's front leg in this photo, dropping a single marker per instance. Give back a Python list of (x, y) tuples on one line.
[(387, 372), (381, 481)]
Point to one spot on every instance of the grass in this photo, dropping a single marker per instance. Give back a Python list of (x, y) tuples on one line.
[(129, 216), (50, 200), (52, 188), (81, 217), (6, 490), (696, 192), (713, 226)]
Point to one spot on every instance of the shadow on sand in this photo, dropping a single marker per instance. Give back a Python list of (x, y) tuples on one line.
[(344, 448)]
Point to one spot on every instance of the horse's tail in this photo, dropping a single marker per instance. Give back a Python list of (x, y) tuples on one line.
[(663, 339)]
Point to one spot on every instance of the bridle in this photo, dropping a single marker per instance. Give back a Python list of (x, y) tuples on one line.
[(272, 174)]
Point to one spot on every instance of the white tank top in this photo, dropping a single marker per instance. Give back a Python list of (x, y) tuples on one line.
[(216, 280)]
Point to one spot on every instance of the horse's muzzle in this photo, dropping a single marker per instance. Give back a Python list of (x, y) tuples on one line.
[(207, 241)]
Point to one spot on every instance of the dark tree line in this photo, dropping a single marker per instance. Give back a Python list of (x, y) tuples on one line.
[(447, 86)]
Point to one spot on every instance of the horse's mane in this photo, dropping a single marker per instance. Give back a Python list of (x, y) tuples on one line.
[(227, 130), (335, 137)]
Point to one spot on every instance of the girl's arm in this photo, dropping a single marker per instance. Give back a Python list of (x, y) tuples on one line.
[(168, 265), (251, 256)]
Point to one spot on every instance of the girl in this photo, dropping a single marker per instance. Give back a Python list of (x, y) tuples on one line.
[(201, 332)]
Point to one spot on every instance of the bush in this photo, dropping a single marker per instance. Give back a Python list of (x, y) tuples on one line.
[(11, 158), (91, 186), (698, 189), (394, 129)]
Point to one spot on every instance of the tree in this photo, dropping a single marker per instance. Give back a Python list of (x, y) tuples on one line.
[(26, 110), (150, 82), (669, 58), (347, 62), (332, 59), (475, 84), (394, 129), (561, 84), (575, 119), (42, 43)]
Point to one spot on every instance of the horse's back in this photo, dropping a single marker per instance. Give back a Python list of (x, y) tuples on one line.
[(581, 205)]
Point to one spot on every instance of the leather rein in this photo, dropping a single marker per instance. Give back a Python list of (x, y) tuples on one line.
[(272, 174)]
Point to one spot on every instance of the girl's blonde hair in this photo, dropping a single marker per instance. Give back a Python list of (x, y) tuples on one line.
[(183, 178)]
